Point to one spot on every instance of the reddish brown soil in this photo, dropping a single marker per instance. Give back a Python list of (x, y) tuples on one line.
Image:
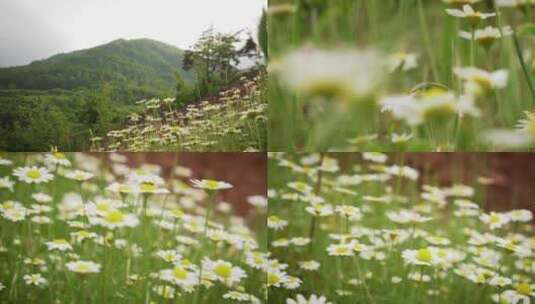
[(246, 171), (513, 174)]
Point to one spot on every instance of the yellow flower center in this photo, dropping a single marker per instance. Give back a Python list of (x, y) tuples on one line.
[(180, 273), (8, 205), (424, 255), (82, 268), (124, 189), (341, 250), (300, 187), (223, 270), (102, 206), (433, 92), (115, 216), (177, 213), (148, 187), (211, 184), (59, 155), (33, 174), (524, 289), (61, 242), (328, 88), (272, 278), (494, 219), (83, 234), (484, 82)]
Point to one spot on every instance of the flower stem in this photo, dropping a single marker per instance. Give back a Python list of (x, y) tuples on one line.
[(473, 47), (427, 39), (523, 64), (211, 204)]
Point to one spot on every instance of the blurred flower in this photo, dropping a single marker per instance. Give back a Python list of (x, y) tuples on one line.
[(314, 299), (468, 13), (6, 183), (79, 175), (337, 73), (402, 61), (460, 2), (57, 158), (83, 267), (495, 219), (478, 82), (487, 36), (209, 184), (59, 244), (224, 271), (34, 279), (423, 256)]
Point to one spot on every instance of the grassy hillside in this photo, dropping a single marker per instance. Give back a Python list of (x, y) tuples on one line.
[(232, 120)]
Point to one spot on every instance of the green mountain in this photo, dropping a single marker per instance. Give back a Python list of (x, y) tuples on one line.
[(66, 99), (126, 63)]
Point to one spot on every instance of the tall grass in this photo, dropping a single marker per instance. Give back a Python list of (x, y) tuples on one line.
[(298, 116)]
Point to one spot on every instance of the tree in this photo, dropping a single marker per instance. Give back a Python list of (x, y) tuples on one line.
[(213, 58), (183, 91)]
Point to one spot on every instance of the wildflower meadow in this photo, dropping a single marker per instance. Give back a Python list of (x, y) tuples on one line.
[(234, 120), (412, 75), (368, 228), (79, 228)]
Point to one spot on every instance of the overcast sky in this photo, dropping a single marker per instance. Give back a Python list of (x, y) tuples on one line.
[(37, 29)]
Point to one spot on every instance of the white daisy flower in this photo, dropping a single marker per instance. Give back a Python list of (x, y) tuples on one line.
[(258, 201), (276, 223), (59, 244), (495, 220), (35, 279), (7, 183), (224, 271), (180, 276), (478, 82), (320, 210), (314, 299), (488, 35), (309, 265), (115, 219), (79, 175), (423, 256), (57, 159), (83, 267), (41, 197), (209, 184), (340, 73), (33, 174), (469, 13), (402, 61)]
